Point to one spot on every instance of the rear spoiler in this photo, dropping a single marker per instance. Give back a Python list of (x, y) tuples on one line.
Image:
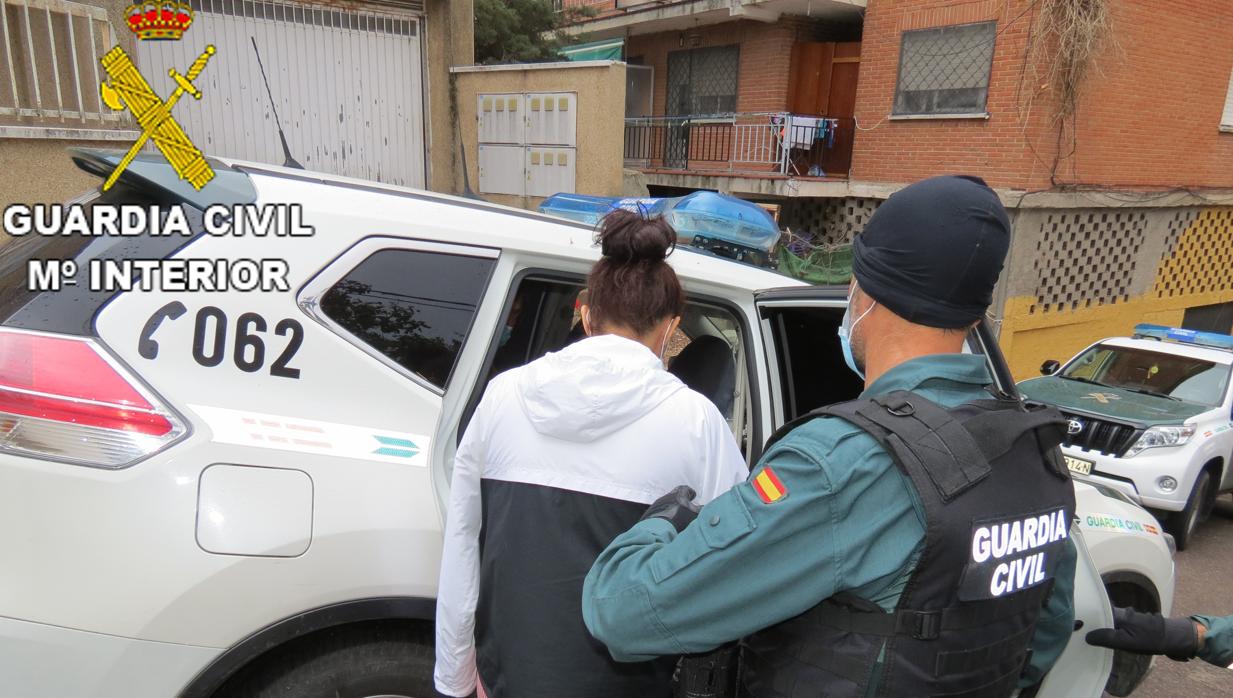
[(150, 172)]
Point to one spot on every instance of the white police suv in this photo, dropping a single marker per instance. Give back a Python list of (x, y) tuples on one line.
[(1151, 416), (238, 492)]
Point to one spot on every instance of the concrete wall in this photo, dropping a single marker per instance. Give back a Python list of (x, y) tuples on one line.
[(43, 63), (34, 164), (38, 170), (1081, 267), (1148, 117), (601, 117), (1077, 275), (450, 38)]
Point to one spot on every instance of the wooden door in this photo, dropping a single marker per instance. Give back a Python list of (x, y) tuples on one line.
[(845, 69)]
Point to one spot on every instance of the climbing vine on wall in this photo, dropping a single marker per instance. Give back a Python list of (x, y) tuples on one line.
[(1066, 42), (1069, 36)]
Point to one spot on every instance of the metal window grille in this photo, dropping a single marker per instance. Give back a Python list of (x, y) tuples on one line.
[(945, 70), (49, 65), (703, 80)]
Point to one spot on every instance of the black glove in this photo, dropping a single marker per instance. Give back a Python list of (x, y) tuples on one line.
[(677, 507), (1148, 633)]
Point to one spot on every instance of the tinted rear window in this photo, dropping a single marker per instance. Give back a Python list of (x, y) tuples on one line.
[(71, 310), (414, 307)]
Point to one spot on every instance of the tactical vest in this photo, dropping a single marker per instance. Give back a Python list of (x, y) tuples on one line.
[(998, 505)]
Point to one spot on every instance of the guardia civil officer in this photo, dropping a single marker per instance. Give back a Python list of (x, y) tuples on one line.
[(1209, 638), (910, 543)]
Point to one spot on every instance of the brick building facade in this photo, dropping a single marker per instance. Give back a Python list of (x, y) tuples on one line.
[(1148, 118), (1118, 210)]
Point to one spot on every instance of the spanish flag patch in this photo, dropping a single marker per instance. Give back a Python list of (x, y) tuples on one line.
[(768, 486)]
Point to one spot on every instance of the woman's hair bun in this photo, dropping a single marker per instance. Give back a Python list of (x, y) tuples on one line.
[(627, 237)]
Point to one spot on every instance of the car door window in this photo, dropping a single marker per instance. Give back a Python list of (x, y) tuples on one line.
[(708, 352), (541, 316), (810, 359), (414, 307), (810, 363)]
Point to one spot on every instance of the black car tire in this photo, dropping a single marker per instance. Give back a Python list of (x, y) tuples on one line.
[(1184, 523), (351, 662)]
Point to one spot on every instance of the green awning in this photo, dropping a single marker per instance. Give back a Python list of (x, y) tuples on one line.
[(606, 50)]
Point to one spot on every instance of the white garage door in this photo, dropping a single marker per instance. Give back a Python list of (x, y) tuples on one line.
[(348, 86)]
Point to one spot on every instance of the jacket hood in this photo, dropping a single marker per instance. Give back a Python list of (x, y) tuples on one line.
[(593, 388)]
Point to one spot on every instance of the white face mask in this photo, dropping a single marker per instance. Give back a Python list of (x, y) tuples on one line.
[(845, 336)]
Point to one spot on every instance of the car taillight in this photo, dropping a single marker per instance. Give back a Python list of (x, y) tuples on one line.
[(61, 397)]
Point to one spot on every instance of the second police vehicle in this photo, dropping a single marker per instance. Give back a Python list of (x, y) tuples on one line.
[(1151, 416)]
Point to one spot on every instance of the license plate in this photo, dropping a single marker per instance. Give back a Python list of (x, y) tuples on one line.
[(1078, 465)]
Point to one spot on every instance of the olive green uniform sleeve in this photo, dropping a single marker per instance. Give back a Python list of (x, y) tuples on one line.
[(1057, 621), (746, 563), (1218, 641)]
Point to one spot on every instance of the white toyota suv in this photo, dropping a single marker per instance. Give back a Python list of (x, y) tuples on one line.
[(1151, 416), (227, 493)]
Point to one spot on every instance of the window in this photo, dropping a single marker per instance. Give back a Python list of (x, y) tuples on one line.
[(703, 80), (1226, 121), (1209, 318), (49, 68), (1168, 375), (945, 70), (708, 352), (812, 371), (639, 89), (542, 317), (415, 307)]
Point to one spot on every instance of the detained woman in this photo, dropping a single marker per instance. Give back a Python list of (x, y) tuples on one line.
[(561, 456)]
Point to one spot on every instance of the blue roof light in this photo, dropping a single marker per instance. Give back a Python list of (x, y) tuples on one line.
[(1214, 340)]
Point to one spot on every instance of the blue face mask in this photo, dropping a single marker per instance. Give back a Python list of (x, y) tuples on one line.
[(845, 337)]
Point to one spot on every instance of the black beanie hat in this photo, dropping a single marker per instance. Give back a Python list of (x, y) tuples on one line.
[(933, 251)]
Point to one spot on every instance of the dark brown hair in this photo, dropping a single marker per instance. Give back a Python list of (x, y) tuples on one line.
[(631, 285)]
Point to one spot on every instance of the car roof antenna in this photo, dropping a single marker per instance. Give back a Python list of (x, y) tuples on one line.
[(290, 161)]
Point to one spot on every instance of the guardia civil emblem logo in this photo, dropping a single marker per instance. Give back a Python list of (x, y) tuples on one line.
[(126, 88)]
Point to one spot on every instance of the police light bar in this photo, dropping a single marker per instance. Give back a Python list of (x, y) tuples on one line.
[(1214, 340)]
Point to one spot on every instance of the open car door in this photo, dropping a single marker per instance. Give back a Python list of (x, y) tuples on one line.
[(807, 370)]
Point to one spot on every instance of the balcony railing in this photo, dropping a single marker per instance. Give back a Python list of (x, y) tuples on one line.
[(773, 143)]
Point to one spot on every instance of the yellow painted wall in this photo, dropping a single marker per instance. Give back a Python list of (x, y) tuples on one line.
[(601, 119), (1199, 271)]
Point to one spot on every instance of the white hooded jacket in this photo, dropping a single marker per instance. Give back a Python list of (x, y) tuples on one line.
[(561, 455)]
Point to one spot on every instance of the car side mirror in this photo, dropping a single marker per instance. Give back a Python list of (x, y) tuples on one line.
[(1049, 367)]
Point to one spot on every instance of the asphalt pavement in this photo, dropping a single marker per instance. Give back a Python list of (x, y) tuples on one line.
[(1204, 585)]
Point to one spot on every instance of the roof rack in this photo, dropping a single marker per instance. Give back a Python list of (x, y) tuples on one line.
[(1212, 340)]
